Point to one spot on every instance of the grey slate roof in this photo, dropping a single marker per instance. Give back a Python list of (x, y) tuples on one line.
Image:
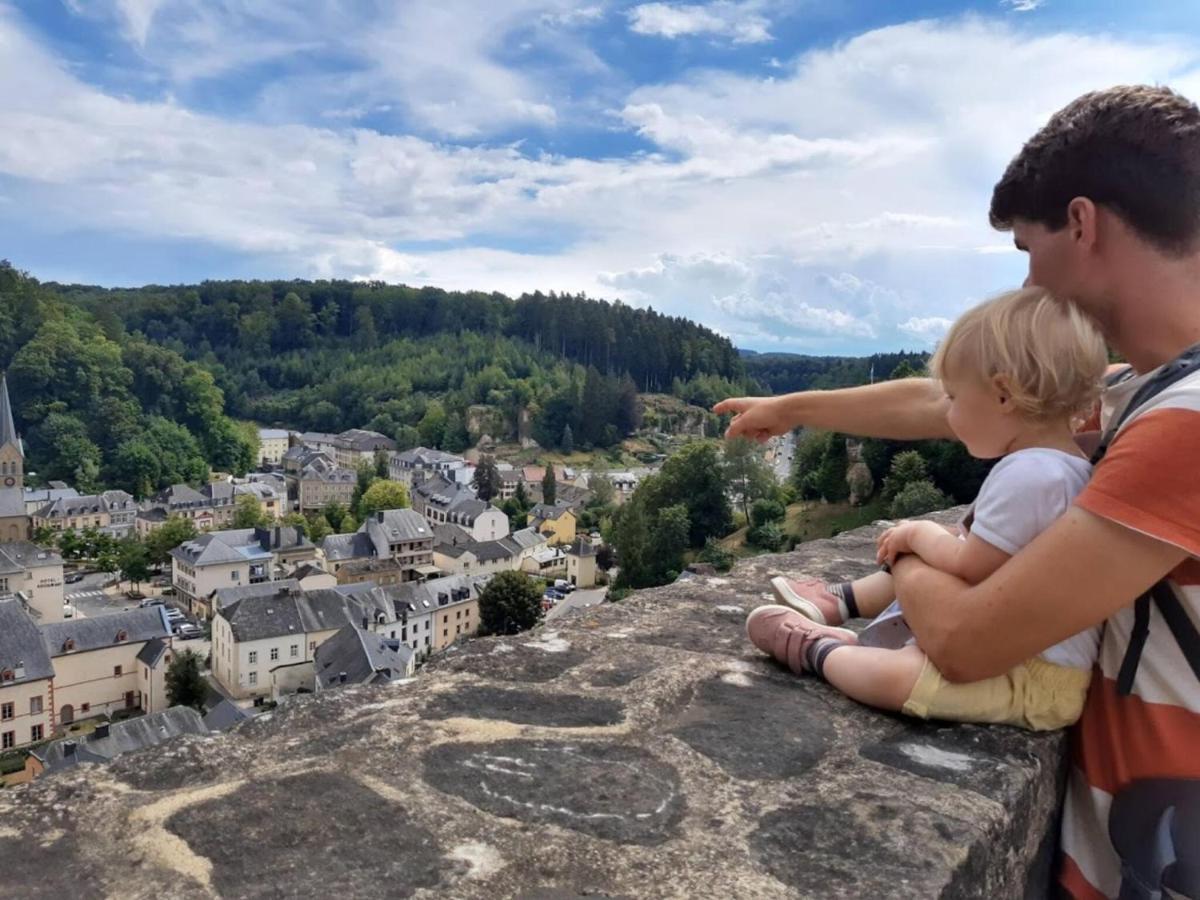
[(225, 596), (363, 657), (389, 526), (338, 547), (101, 631), (181, 495), (224, 715), (8, 431), (582, 547), (236, 545), (546, 511), (87, 505), (526, 538), (489, 551), (423, 457), (124, 737), (152, 652), (295, 611), (17, 556), (21, 644), (361, 440), (447, 534), (422, 596)]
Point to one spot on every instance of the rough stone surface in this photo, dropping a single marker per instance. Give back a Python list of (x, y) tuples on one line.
[(639, 749)]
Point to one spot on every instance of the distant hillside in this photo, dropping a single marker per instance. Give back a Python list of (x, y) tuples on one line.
[(782, 373)]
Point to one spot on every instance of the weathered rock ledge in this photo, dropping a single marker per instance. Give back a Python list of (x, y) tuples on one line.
[(640, 749)]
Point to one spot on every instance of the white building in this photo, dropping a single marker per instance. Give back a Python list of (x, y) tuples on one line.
[(272, 444)]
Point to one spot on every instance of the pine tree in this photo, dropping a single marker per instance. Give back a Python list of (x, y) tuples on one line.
[(568, 440), (549, 487), (487, 481)]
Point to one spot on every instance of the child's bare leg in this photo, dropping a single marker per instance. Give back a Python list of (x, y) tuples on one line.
[(880, 678), (835, 603)]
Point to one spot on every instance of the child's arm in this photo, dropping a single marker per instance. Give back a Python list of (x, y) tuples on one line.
[(972, 560)]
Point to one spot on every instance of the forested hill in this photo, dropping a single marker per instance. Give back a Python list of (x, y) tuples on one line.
[(261, 317), (139, 388), (782, 373)]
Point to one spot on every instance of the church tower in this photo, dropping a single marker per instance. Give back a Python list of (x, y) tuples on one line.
[(12, 457)]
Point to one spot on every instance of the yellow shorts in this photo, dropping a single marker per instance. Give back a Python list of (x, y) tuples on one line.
[(1037, 695)]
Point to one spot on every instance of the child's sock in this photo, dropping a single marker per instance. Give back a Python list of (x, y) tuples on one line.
[(844, 591), (818, 650)]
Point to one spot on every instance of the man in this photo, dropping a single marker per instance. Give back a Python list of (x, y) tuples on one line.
[(1105, 200)]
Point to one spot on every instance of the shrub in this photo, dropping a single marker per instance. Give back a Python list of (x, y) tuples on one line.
[(918, 498)]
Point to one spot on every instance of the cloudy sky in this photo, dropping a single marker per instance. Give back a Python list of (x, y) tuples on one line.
[(802, 175)]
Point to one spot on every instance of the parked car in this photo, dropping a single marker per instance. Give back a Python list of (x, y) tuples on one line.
[(68, 611), (153, 601), (74, 578), (168, 591), (188, 631), (552, 594), (174, 614)]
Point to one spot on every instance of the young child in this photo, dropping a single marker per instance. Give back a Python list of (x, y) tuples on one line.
[(1017, 370)]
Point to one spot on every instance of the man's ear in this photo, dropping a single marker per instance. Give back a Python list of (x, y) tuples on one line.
[(1081, 222)]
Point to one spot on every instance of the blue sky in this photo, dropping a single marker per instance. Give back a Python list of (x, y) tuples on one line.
[(803, 176)]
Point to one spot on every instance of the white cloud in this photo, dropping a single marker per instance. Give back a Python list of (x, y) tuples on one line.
[(1023, 5), (927, 330), (837, 206), (740, 22)]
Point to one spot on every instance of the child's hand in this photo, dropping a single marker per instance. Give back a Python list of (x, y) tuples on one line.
[(894, 541)]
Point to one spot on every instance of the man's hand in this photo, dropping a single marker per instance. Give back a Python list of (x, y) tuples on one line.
[(756, 418)]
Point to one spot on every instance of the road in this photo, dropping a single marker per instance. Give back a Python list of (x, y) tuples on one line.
[(783, 457), (579, 599), (91, 598)]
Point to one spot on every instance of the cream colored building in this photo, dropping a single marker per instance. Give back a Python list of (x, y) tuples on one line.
[(581, 564), (239, 556), (112, 512), (272, 444), (102, 665), (26, 679), (35, 576), (263, 643)]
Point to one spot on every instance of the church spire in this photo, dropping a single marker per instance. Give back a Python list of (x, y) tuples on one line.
[(8, 431)]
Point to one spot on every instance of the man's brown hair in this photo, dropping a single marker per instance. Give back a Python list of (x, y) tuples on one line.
[(1135, 150)]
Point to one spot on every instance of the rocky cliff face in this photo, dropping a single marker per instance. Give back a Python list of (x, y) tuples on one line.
[(639, 749)]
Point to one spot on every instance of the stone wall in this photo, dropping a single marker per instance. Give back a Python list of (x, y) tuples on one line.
[(639, 749)]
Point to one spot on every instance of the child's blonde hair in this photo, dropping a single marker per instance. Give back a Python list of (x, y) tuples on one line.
[(1049, 354)]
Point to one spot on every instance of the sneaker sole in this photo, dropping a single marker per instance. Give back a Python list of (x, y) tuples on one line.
[(792, 600)]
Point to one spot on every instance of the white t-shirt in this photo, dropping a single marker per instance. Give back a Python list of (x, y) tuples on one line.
[(1021, 497)]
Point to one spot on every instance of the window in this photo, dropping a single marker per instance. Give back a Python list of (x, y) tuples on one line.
[(253, 657), (457, 629), (458, 614), (85, 707), (36, 732), (426, 640), (445, 632), (35, 705), (6, 712), (116, 671), (8, 741), (253, 679), (312, 645), (234, 576), (274, 653), (295, 650)]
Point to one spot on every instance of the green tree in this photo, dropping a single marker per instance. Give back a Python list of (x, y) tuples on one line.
[(133, 560), (694, 477), (522, 497), (669, 541), (917, 498), (907, 468), (185, 681), (602, 491), (486, 479), (334, 512), (767, 536), (384, 495), (568, 440), (163, 540), (432, 426), (510, 603), (765, 511), (831, 480), (318, 528), (549, 487), (366, 477), (749, 477), (247, 513), (455, 438), (381, 463)]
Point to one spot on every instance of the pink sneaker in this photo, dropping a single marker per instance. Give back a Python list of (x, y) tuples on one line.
[(808, 597), (786, 635)]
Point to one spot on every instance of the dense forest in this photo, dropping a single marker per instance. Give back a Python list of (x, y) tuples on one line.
[(139, 388), (782, 373), (95, 411)]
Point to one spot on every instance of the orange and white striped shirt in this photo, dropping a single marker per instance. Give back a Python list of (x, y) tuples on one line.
[(1129, 752)]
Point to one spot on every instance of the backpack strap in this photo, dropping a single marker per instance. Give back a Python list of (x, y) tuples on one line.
[(1162, 594), (1183, 629)]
